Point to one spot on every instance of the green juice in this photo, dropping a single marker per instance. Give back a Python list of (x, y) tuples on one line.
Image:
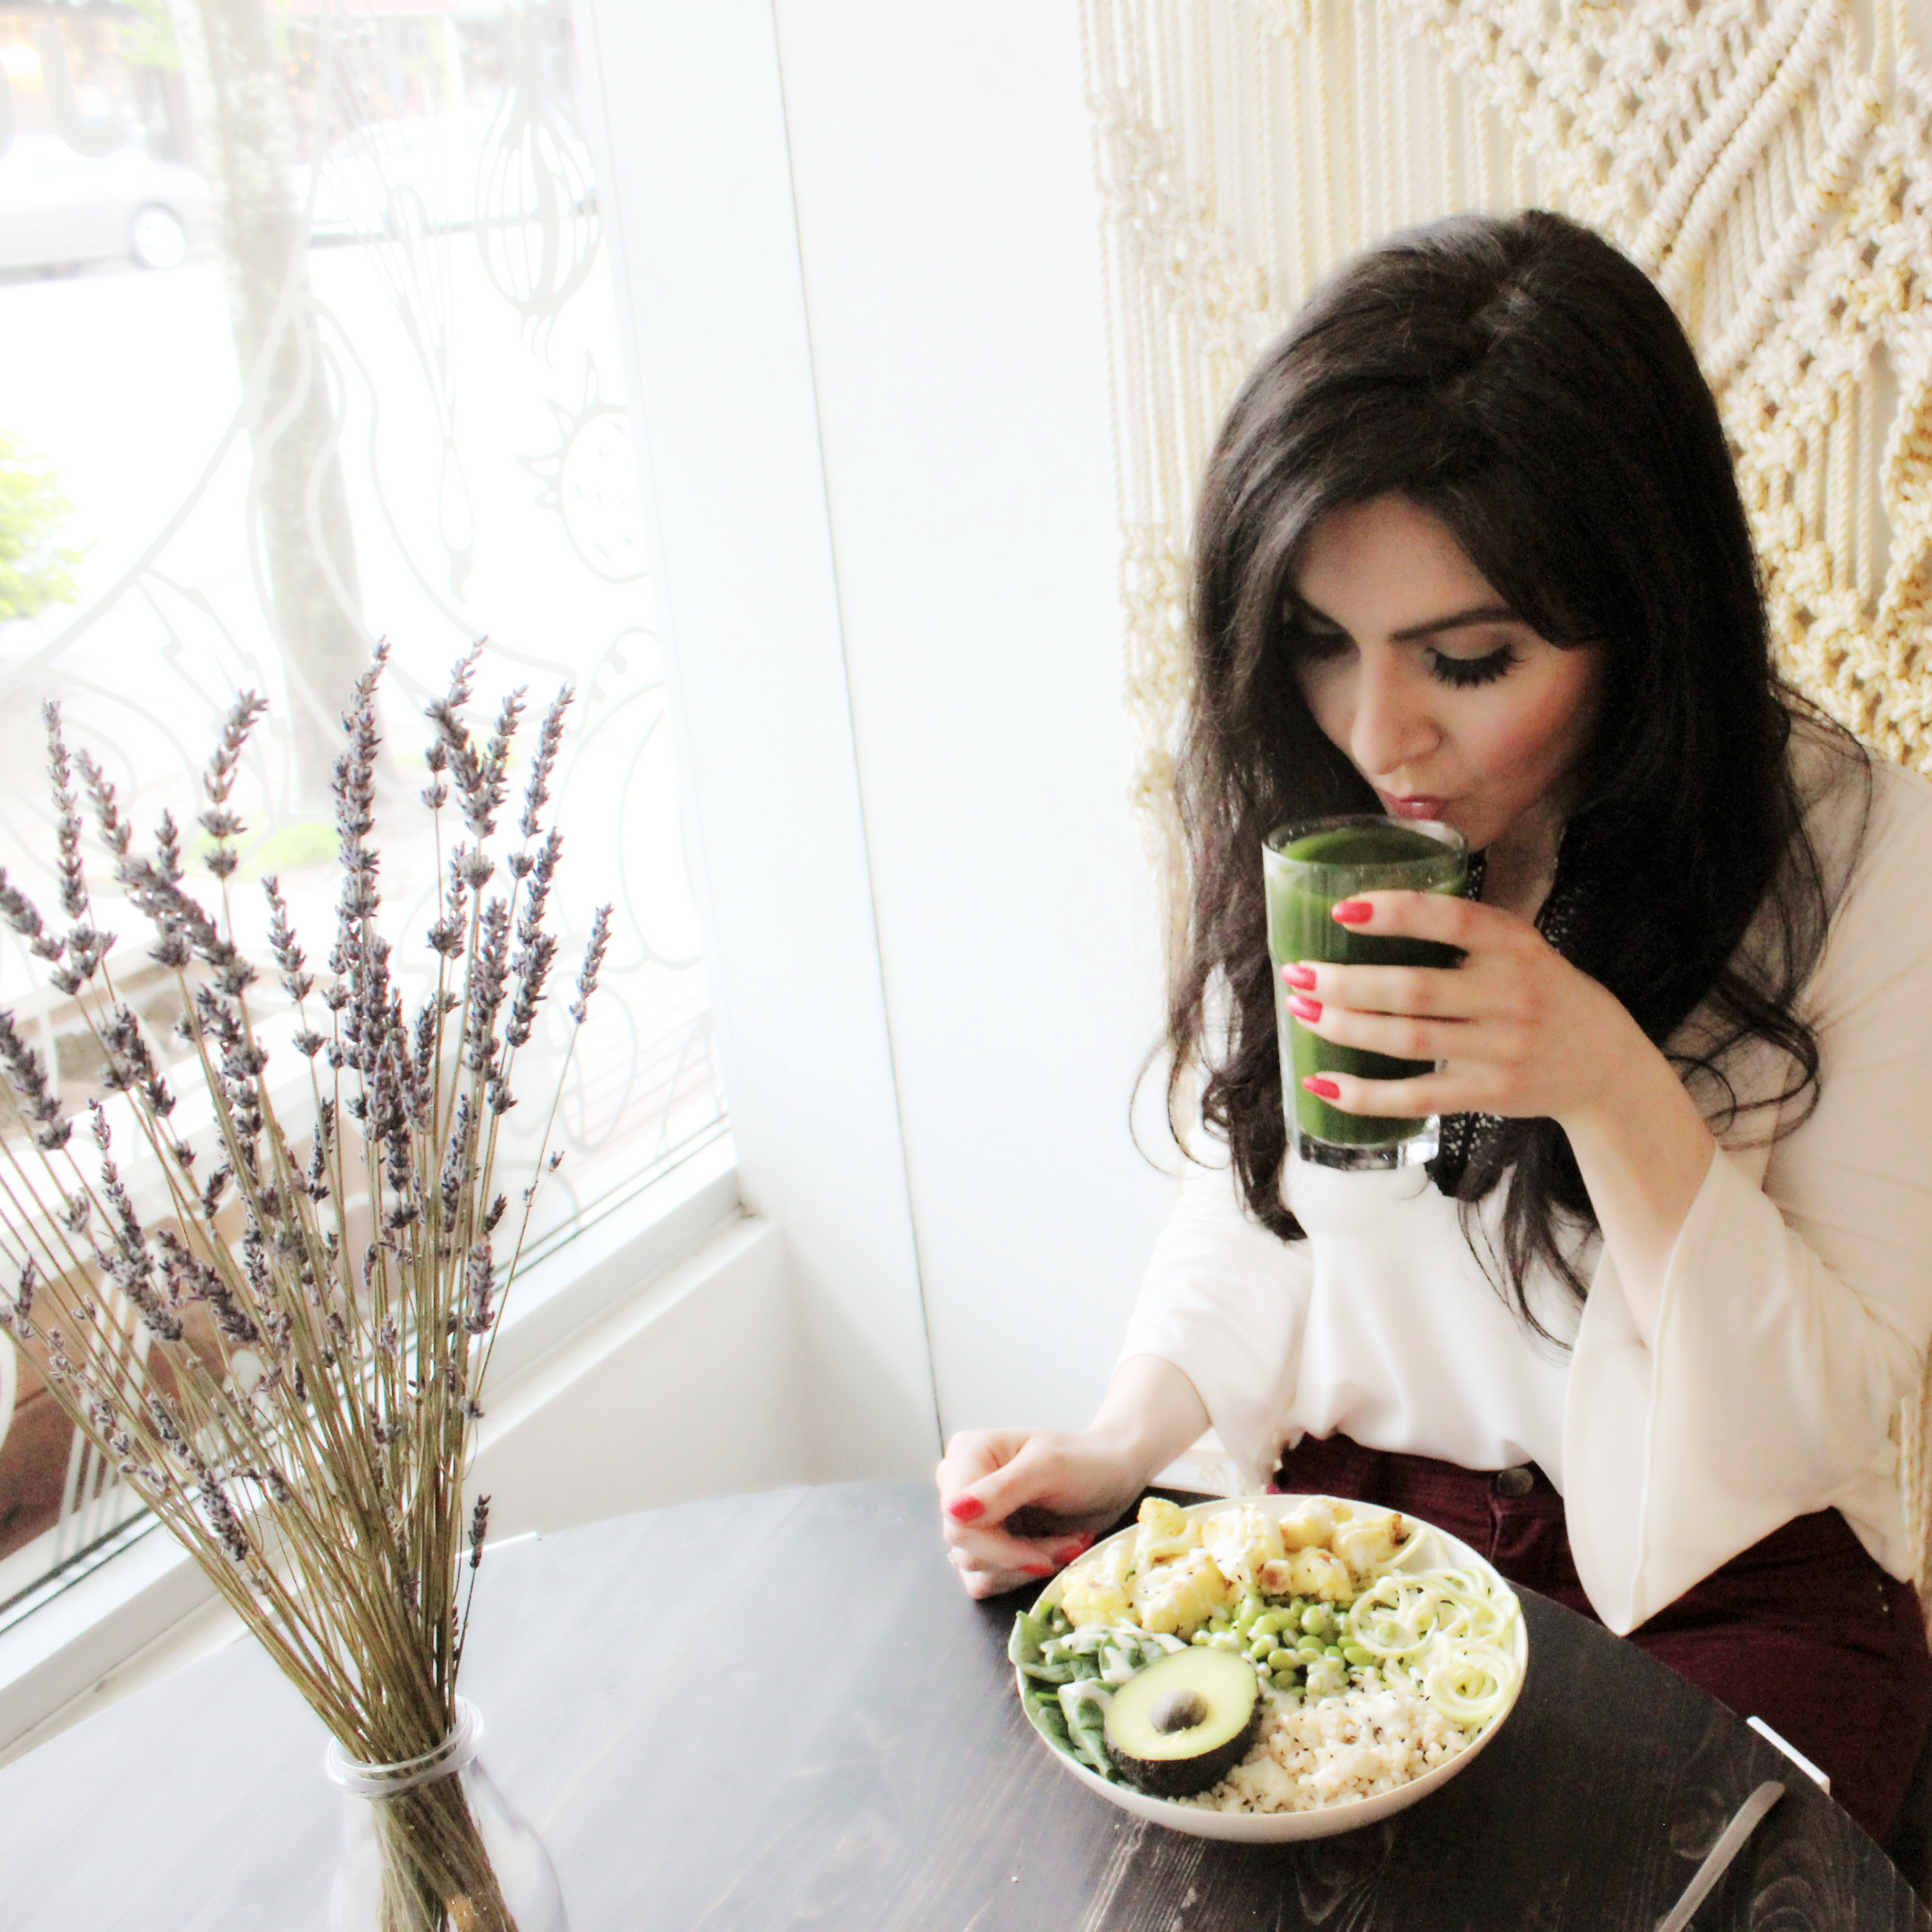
[(1308, 869)]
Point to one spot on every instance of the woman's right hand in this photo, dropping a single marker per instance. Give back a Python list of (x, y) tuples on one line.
[(1017, 1505)]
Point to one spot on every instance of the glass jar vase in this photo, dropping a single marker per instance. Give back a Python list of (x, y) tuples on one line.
[(429, 1845)]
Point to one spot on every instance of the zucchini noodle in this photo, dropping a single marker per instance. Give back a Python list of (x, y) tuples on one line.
[(1446, 1630)]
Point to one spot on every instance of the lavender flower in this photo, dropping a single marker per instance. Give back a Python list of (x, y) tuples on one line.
[(296, 983), (489, 974), (541, 872), (36, 1098), (130, 1063), (116, 833), (593, 963), (225, 1524), (73, 884), (550, 739), (457, 1161), (455, 751), (533, 966), (15, 1314), (18, 912), (218, 781), (480, 1280)]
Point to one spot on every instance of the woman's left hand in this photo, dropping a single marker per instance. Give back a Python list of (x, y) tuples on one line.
[(1516, 1029)]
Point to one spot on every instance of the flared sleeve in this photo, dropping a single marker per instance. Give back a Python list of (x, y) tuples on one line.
[(1797, 1303), (1224, 1300)]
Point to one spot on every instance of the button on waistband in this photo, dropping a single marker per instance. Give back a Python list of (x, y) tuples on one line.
[(1518, 1481)]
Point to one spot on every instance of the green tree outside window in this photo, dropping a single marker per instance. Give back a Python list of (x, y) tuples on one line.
[(35, 568)]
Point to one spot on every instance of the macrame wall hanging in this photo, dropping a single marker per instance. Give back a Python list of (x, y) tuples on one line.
[(1769, 161)]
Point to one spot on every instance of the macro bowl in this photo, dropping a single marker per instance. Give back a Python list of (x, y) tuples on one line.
[(1428, 1548)]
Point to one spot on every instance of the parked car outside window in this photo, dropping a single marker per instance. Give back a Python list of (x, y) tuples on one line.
[(58, 207)]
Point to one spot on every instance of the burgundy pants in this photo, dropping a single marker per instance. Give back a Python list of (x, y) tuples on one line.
[(1803, 1629)]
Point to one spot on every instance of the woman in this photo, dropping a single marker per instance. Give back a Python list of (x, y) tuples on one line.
[(1470, 548)]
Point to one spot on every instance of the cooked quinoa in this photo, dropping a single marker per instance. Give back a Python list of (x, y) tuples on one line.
[(1348, 1746)]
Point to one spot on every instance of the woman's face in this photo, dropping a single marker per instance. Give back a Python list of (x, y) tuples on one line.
[(1448, 705)]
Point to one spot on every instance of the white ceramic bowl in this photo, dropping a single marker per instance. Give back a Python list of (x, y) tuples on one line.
[(1428, 1549)]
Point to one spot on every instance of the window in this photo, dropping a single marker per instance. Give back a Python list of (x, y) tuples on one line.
[(310, 341)]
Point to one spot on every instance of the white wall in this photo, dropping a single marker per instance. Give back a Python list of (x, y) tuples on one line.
[(696, 189), (943, 171), (686, 1389), (858, 241)]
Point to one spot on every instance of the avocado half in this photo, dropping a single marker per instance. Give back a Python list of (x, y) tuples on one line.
[(1185, 1722)]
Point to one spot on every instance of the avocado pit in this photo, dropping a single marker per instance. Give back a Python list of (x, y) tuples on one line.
[(1178, 1710)]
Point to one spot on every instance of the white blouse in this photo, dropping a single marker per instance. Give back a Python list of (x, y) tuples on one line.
[(1794, 1314)]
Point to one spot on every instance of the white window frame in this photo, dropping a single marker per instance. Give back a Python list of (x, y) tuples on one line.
[(828, 1374)]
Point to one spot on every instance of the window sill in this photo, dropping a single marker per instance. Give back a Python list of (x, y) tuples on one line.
[(140, 1605)]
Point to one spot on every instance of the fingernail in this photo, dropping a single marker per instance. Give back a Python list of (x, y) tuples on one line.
[(1304, 1009), (966, 1509), (1353, 912), (1322, 1089), (1303, 976), (1071, 1546), (1041, 1569)]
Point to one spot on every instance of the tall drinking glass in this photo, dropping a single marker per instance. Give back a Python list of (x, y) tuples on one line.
[(1307, 867)]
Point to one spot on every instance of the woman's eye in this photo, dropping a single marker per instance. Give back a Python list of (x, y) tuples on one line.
[(1463, 672)]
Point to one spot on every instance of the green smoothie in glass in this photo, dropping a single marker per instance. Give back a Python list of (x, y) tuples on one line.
[(1307, 867)]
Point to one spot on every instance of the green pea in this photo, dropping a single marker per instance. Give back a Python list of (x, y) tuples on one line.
[(1315, 1620), (1309, 1646), (1334, 1651), (1285, 1680), (1282, 1660), (1218, 1623), (1200, 1637), (1261, 1647), (1357, 1655)]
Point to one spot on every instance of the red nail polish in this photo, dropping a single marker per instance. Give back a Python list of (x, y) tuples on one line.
[(1352, 912), (1303, 976), (1303, 1008), (966, 1509), (1041, 1569), (1326, 1090)]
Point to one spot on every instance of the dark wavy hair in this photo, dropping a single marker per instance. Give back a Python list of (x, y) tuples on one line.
[(1526, 384)]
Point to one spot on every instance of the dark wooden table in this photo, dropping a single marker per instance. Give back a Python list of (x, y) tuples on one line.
[(780, 1710)]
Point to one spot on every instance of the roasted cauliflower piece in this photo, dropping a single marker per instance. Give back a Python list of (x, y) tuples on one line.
[(1310, 1527), (1090, 1597), (1310, 1573), (1369, 1541), (1178, 1597), (1164, 1532), (1242, 1543)]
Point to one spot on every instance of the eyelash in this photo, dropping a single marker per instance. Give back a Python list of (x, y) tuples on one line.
[(1462, 673), (1459, 674)]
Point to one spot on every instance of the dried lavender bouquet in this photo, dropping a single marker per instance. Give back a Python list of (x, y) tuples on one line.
[(283, 1358)]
